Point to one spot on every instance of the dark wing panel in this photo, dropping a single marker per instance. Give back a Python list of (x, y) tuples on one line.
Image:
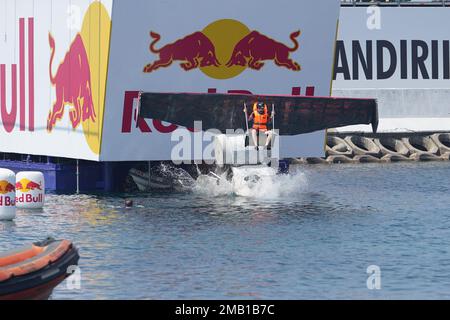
[(215, 111), (306, 114), (294, 115)]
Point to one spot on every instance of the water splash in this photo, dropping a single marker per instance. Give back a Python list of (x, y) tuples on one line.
[(178, 177), (253, 182)]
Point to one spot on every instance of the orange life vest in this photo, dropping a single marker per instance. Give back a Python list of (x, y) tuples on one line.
[(260, 120)]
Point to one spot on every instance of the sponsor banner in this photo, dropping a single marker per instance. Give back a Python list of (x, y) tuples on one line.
[(53, 62), (283, 47), (401, 56), (393, 47), (56, 58)]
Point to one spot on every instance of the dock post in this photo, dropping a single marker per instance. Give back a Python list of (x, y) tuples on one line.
[(78, 176), (149, 174)]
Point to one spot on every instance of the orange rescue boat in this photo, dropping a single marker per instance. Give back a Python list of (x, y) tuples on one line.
[(32, 273)]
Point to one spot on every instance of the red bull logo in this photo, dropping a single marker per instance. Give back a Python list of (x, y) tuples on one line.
[(72, 84), (195, 50), (223, 50), (6, 187), (80, 80), (26, 186), (25, 195), (256, 48)]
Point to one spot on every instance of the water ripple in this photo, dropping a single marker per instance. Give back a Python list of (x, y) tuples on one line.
[(309, 236)]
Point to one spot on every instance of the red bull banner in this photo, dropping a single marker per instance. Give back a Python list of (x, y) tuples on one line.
[(382, 52), (53, 68), (70, 77), (245, 47)]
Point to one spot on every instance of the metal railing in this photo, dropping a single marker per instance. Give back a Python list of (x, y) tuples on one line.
[(396, 3)]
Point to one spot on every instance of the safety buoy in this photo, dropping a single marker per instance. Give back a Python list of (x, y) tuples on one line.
[(30, 190), (7, 194)]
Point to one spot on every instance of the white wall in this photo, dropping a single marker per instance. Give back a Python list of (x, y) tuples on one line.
[(415, 95)]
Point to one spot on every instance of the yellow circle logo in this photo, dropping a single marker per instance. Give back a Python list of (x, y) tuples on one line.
[(225, 35), (223, 50), (96, 32), (80, 81)]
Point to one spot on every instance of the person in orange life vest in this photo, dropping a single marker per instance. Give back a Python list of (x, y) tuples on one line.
[(261, 119)]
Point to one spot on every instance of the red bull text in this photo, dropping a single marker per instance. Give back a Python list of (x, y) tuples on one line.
[(28, 198), (18, 83), (6, 201)]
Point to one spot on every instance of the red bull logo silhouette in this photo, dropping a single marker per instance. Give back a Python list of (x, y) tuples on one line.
[(19, 186), (26, 185), (6, 187), (73, 86), (80, 80), (249, 49), (195, 50), (255, 48)]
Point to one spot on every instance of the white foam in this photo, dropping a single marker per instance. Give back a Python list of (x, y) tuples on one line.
[(269, 185)]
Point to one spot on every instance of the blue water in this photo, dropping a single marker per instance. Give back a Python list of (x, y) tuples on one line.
[(314, 241)]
